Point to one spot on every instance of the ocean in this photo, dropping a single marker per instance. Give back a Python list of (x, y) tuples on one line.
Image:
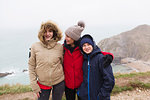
[(14, 54)]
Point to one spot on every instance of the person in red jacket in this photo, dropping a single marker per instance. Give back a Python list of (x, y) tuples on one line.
[(73, 60)]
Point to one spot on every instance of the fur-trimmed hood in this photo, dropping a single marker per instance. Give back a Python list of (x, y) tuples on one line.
[(49, 25)]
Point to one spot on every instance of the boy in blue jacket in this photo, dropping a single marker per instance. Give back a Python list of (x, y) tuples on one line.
[(98, 81)]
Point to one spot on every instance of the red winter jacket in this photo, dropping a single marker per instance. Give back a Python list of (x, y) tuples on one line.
[(73, 67)]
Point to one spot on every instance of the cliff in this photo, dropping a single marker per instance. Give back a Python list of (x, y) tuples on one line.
[(134, 43)]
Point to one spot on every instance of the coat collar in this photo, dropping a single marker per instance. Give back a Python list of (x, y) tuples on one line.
[(50, 44), (72, 48)]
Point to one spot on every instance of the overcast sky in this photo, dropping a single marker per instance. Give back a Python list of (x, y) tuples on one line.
[(107, 15)]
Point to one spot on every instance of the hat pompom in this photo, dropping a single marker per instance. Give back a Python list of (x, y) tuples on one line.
[(81, 24)]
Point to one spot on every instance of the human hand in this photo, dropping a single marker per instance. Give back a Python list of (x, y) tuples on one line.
[(107, 60), (38, 94)]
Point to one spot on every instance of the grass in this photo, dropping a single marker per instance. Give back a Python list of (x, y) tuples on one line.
[(140, 84), (131, 86), (18, 88), (132, 75), (7, 89), (118, 89)]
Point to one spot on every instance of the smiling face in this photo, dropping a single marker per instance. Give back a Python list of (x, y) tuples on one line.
[(48, 35), (69, 40), (87, 48)]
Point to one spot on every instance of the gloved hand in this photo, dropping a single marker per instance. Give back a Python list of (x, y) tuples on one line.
[(107, 60)]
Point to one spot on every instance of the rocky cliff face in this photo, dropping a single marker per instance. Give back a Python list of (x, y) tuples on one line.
[(133, 44)]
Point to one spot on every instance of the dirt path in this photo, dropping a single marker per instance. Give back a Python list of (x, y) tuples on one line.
[(137, 94), (125, 81), (20, 96)]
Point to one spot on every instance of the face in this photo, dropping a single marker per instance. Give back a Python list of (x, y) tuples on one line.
[(69, 40), (48, 35), (87, 48)]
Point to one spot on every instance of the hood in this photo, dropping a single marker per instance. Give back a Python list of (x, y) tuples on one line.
[(96, 49), (49, 25)]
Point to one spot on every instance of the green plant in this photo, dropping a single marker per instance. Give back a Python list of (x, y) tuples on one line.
[(132, 75), (18, 88)]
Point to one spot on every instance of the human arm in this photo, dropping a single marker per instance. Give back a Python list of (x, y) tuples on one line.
[(108, 53), (32, 74), (62, 54), (108, 58), (108, 81)]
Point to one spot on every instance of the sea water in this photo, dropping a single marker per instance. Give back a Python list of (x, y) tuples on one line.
[(14, 54)]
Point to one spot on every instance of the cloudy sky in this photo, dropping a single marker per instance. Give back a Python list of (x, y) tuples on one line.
[(101, 16)]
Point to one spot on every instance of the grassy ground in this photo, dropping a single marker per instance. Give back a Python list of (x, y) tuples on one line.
[(18, 88), (124, 82), (132, 75), (131, 86)]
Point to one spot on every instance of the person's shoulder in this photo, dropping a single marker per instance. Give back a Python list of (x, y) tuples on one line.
[(59, 46), (100, 56), (35, 44)]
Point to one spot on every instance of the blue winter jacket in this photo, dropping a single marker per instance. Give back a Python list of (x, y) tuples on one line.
[(98, 81)]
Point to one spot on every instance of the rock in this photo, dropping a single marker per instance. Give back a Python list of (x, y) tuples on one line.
[(134, 43), (24, 70), (117, 60), (137, 65), (5, 74)]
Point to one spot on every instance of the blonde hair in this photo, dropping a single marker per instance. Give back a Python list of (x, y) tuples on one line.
[(49, 25)]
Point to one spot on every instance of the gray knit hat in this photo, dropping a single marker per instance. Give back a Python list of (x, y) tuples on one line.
[(75, 31)]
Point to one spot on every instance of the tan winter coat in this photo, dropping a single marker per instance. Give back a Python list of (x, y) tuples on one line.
[(45, 63)]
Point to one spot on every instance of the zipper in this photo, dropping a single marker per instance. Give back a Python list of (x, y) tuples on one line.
[(88, 77)]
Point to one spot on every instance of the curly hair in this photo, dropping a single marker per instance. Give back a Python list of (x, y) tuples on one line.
[(49, 25)]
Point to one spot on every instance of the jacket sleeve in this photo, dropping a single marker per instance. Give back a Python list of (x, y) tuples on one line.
[(107, 53), (108, 81), (32, 74), (62, 53)]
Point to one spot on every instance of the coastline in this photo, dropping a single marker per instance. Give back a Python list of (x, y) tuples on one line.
[(136, 65), (127, 65)]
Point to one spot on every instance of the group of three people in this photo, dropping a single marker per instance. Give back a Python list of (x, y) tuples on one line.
[(78, 66)]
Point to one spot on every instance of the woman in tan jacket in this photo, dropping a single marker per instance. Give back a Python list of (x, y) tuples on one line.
[(45, 63)]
